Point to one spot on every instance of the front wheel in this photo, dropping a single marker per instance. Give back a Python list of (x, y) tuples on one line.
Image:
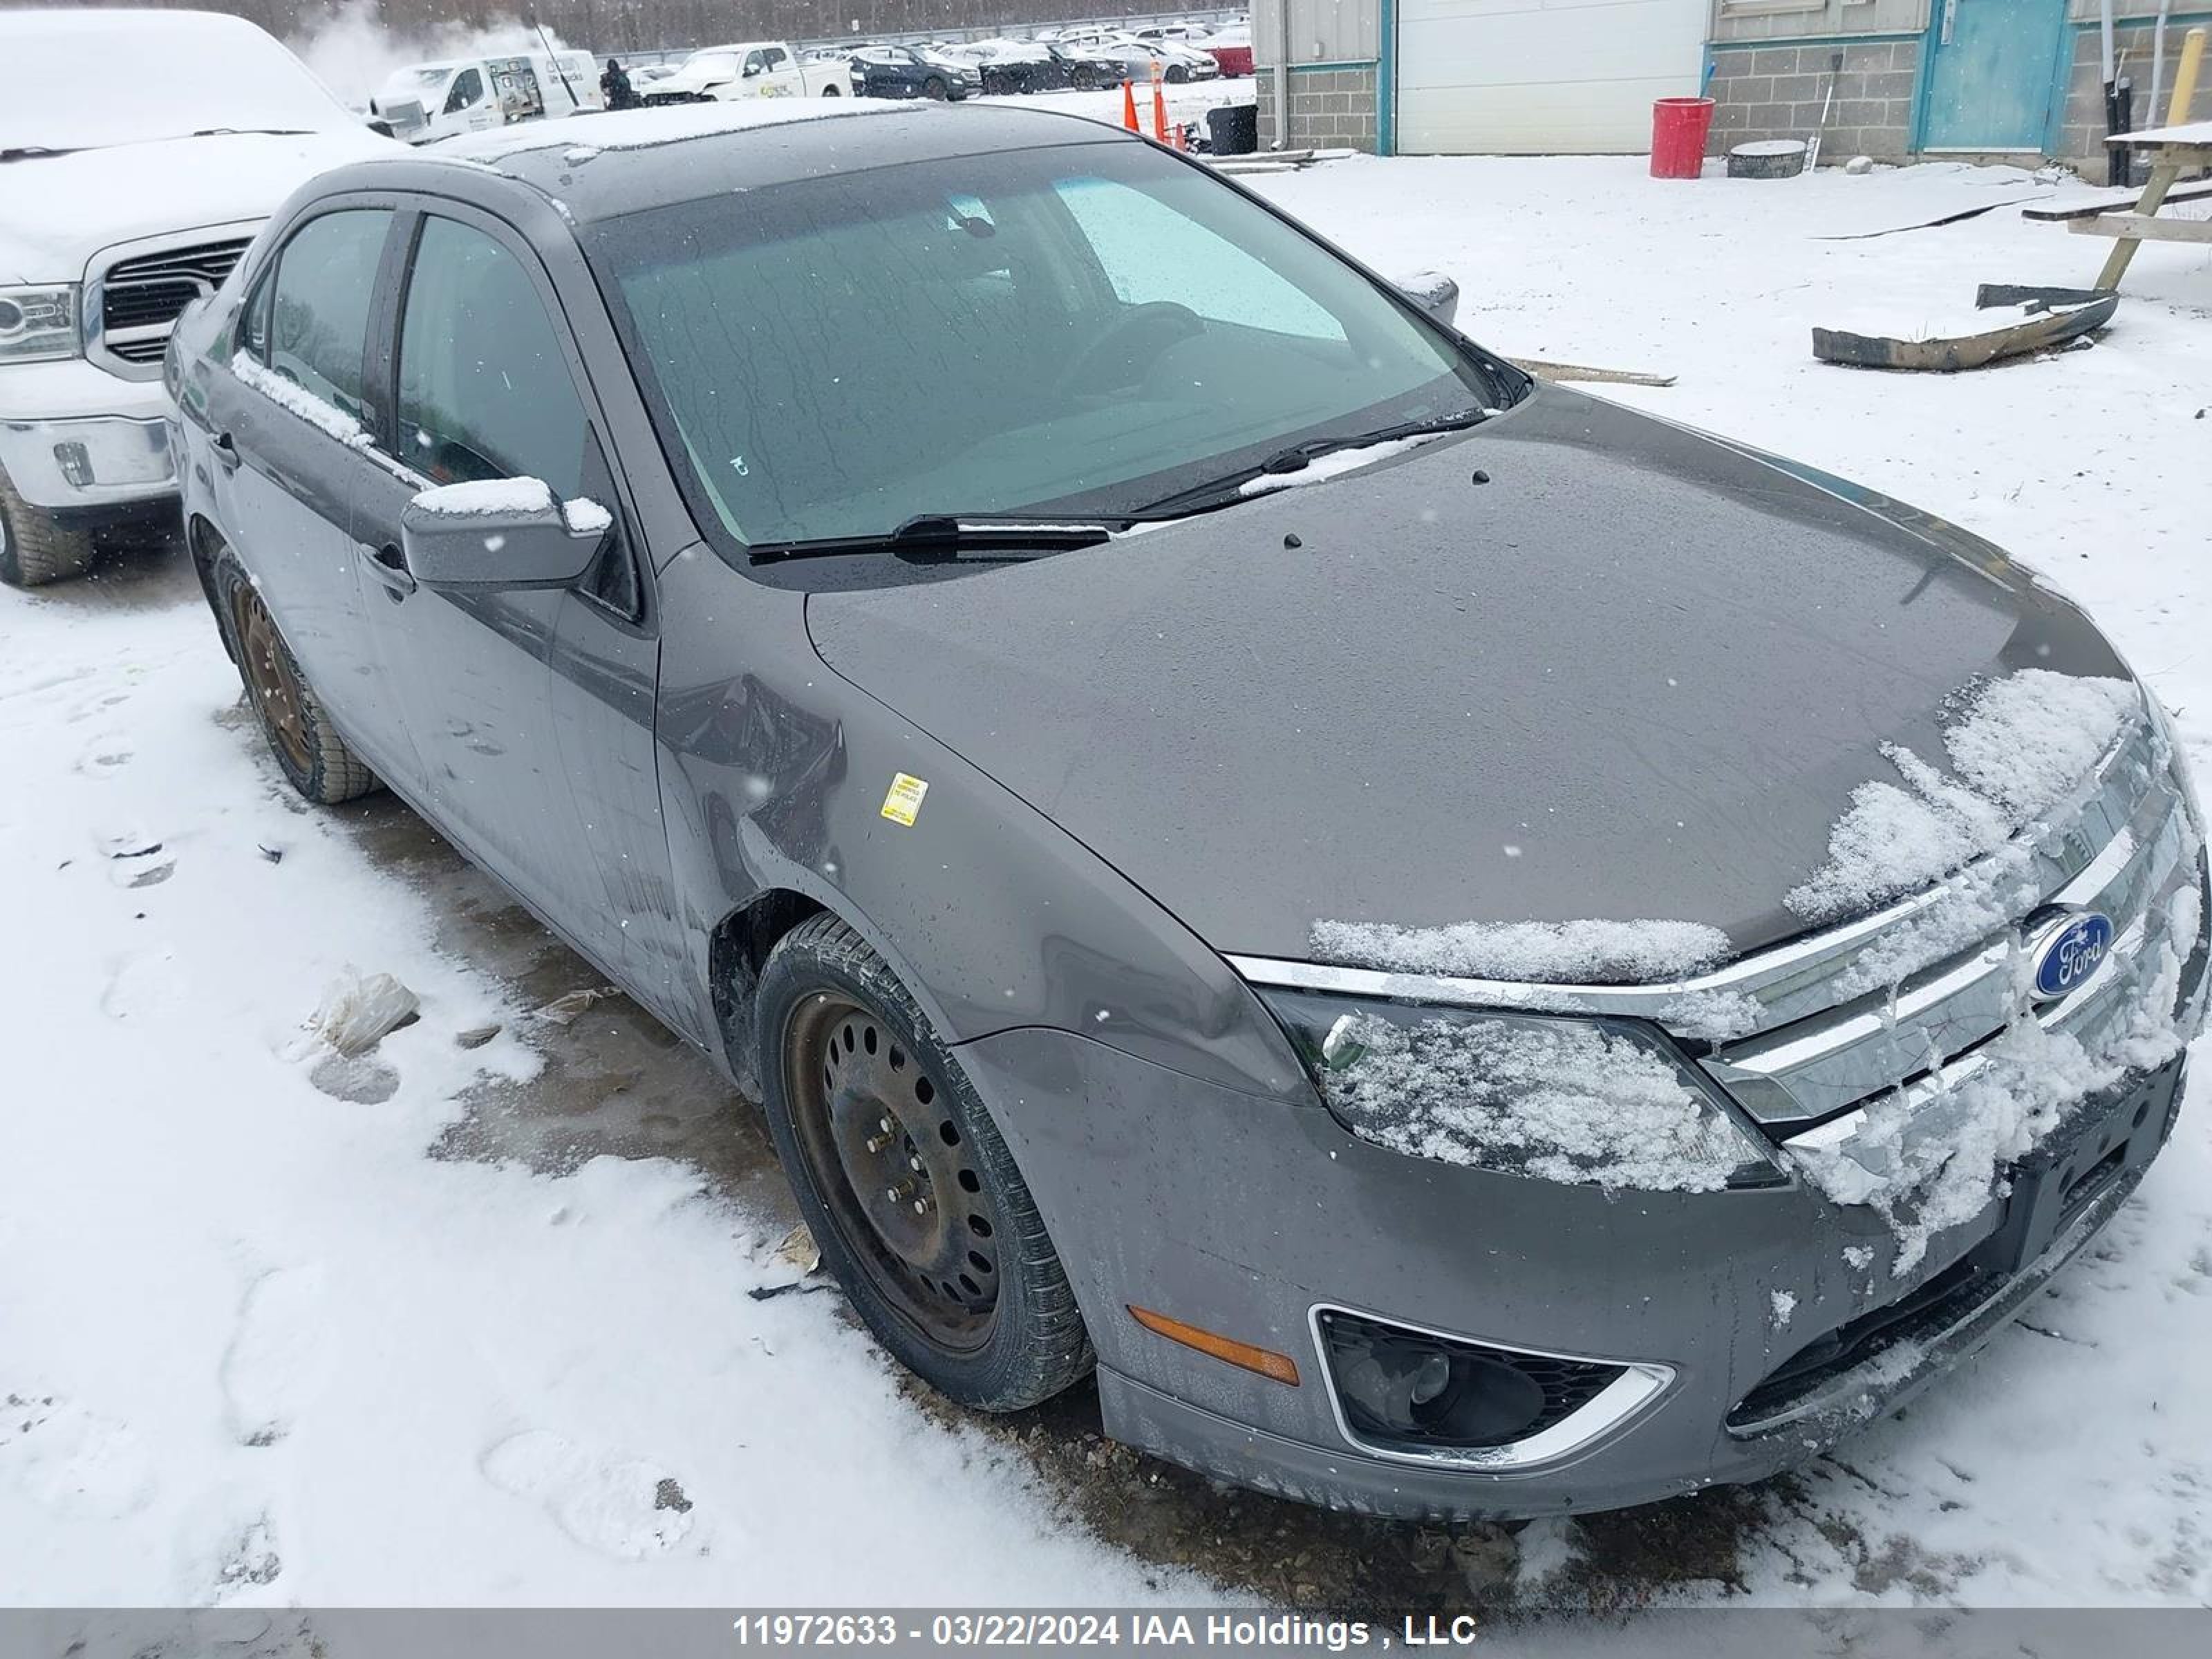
[(35, 549), (936, 90), (912, 1196), (830, 92), (314, 757), (1178, 74)]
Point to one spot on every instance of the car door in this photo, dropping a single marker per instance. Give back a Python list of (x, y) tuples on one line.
[(781, 77), (532, 710), (290, 420)]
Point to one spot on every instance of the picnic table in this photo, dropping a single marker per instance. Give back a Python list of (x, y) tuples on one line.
[(2175, 150)]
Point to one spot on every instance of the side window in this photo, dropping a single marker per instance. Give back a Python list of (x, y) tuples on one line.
[(1127, 229), (484, 387), (318, 324), (778, 59), (753, 63), (468, 86)]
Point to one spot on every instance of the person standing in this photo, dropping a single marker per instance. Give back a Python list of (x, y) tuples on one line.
[(614, 85)]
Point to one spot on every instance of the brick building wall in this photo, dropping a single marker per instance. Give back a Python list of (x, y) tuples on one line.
[(1331, 108), (2081, 117), (1776, 92)]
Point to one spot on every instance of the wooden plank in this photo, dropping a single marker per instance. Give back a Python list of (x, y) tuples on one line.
[(2142, 228), (2119, 198), (1545, 370)]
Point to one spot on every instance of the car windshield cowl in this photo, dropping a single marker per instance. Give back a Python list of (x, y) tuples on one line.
[(1229, 489), (931, 537)]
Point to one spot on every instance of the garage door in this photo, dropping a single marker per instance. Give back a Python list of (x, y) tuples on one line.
[(1521, 78)]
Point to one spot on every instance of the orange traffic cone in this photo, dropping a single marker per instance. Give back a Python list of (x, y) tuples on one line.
[(1159, 108), (1129, 107)]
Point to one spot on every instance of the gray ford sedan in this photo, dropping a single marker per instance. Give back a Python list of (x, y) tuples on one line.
[(1470, 950)]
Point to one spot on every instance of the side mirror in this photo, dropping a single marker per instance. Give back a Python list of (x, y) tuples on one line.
[(750, 70), (1434, 292), (500, 533)]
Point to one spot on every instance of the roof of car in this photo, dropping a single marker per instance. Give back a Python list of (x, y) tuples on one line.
[(605, 165)]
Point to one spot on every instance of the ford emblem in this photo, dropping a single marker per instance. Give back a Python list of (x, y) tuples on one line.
[(2068, 952)]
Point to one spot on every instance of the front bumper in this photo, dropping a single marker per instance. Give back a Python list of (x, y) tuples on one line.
[(78, 441), (1244, 1216)]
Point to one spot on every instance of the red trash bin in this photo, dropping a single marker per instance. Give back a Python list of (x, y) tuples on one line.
[(1678, 127)]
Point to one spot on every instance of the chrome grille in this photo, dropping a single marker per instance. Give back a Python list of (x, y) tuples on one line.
[(142, 297), (2122, 852)]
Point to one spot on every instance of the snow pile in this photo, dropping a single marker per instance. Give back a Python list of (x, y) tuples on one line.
[(586, 517), (2025, 741), (486, 498), (1558, 1101), (1537, 953), (290, 396)]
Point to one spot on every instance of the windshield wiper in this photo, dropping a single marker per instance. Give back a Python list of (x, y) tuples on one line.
[(1228, 490), (232, 132), (937, 537), (28, 152)]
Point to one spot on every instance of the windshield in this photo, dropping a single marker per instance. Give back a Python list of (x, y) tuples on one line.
[(184, 74), (1085, 329), (711, 65)]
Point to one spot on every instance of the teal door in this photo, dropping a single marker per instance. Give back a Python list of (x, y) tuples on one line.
[(1992, 73)]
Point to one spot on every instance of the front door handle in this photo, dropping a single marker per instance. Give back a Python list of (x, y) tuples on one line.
[(389, 566), (226, 452)]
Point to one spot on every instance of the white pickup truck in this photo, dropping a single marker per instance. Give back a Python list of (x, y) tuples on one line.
[(752, 68), (424, 102), (139, 152)]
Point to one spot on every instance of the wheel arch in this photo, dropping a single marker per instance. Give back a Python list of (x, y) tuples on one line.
[(738, 948)]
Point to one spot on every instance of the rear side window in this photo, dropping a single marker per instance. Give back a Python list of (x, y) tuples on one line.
[(484, 387), (778, 59), (317, 325)]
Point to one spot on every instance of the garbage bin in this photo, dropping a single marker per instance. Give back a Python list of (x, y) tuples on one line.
[(1233, 129), (1679, 126)]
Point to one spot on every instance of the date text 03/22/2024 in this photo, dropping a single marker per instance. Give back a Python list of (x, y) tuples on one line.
[(1017, 1628)]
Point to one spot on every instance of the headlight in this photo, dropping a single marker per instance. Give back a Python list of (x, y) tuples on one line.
[(1601, 1102), (37, 324)]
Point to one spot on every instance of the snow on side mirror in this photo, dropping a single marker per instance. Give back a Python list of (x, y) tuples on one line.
[(1435, 292), (500, 533)]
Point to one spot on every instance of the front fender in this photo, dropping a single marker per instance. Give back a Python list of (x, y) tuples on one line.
[(775, 773)]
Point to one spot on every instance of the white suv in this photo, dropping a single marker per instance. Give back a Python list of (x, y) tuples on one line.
[(139, 152)]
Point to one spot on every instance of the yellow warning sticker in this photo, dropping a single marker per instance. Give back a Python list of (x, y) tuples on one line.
[(903, 800)]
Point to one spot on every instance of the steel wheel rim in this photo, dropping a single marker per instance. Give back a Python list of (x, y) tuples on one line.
[(878, 1134), (278, 695)]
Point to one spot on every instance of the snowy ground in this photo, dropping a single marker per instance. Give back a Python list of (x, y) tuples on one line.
[(478, 1333)]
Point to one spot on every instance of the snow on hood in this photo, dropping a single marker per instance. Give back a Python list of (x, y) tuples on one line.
[(108, 77), (57, 211)]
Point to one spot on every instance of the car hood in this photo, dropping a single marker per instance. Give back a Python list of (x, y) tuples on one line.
[(1637, 674), (57, 211)]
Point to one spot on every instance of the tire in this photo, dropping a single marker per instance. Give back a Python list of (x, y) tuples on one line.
[(314, 757), (971, 1296), (936, 89), (831, 92), (1177, 74), (35, 549)]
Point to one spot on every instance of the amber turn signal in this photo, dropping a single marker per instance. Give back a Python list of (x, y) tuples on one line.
[(1277, 1367)]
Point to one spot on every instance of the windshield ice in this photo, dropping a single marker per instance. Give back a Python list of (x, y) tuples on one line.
[(1085, 329), (182, 74)]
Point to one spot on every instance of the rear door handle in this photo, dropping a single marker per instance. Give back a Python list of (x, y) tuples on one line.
[(226, 451), (389, 566)]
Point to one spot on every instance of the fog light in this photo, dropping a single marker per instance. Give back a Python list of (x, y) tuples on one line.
[(1414, 1391), (75, 462)]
